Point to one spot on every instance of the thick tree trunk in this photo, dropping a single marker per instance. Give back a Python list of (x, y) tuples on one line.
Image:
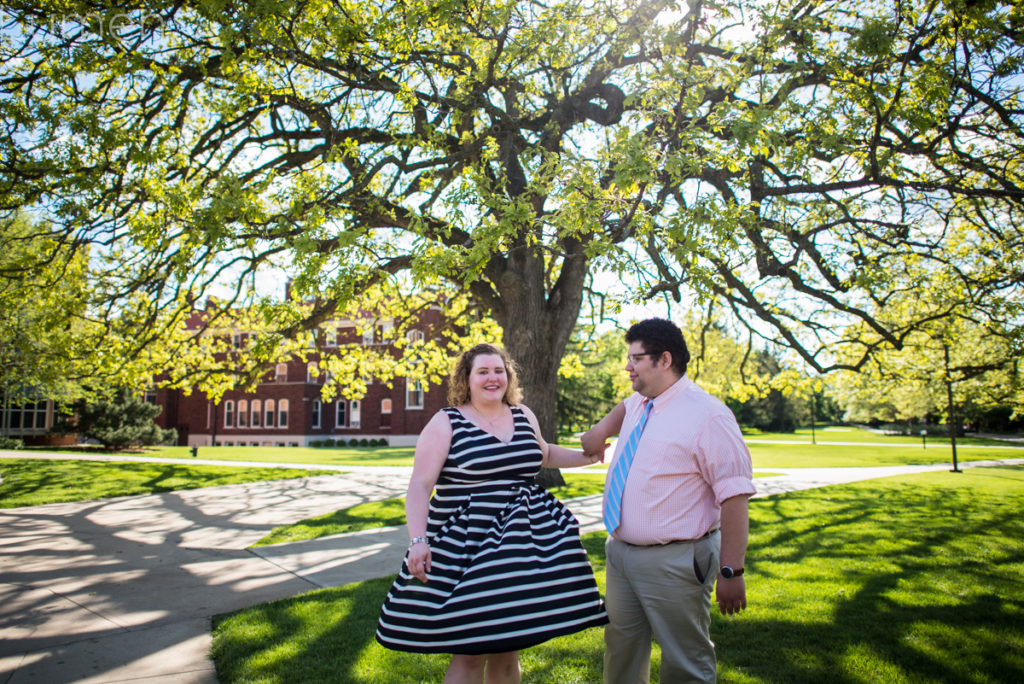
[(537, 327)]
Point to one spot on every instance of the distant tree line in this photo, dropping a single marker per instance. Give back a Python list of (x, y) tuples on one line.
[(905, 392)]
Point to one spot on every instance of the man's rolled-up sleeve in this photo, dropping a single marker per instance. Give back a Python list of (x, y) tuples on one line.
[(725, 458)]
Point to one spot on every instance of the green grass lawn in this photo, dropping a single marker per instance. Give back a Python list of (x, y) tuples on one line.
[(833, 433), (768, 450), (363, 456), (871, 450), (374, 456), (909, 579), (849, 433), (32, 482), (865, 448), (392, 512), (767, 455)]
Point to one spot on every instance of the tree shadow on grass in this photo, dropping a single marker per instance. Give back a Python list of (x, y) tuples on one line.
[(385, 513), (321, 636), (328, 635), (882, 581), (878, 581), (948, 644), (37, 482)]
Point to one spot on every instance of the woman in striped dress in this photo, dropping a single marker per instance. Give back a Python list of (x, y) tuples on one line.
[(495, 562)]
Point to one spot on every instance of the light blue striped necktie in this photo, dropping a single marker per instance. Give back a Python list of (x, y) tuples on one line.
[(620, 469)]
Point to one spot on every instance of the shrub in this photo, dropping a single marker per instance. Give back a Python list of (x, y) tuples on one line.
[(329, 442), (10, 442), (121, 421), (363, 442), (316, 443)]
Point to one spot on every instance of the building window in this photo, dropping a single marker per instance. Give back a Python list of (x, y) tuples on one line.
[(415, 335), (236, 341), (229, 413), (281, 372), (282, 413), (331, 337), (385, 413), (316, 414), (29, 416), (269, 413), (368, 336), (341, 413), (311, 372), (413, 394), (257, 412), (243, 413), (353, 414)]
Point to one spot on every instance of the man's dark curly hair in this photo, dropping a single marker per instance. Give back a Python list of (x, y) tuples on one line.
[(658, 335)]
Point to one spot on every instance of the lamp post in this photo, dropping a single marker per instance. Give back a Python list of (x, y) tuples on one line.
[(951, 411), (813, 437), (213, 431)]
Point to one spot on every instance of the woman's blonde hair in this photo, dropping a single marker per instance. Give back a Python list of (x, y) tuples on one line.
[(458, 381)]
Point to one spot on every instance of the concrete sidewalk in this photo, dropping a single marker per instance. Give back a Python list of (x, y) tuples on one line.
[(122, 590)]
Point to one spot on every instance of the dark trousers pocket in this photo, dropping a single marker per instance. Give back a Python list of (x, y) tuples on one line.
[(697, 571)]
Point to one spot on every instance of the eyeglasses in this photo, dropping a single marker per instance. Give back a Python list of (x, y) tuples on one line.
[(635, 358)]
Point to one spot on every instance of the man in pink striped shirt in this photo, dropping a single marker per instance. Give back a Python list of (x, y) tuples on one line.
[(682, 522)]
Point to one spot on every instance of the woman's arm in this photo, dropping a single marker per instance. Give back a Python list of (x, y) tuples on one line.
[(556, 456), (428, 460), (595, 440)]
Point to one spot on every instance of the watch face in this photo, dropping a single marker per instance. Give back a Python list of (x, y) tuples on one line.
[(726, 572)]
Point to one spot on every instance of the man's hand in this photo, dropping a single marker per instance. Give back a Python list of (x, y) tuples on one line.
[(731, 595), (593, 446)]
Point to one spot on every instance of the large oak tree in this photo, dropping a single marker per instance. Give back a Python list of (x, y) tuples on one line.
[(799, 161)]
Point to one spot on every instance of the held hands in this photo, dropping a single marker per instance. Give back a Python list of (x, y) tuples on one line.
[(418, 561), (594, 446), (731, 595)]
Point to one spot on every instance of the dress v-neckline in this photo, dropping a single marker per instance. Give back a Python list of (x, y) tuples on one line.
[(481, 428)]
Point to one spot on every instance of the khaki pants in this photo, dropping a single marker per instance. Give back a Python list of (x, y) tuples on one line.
[(656, 590)]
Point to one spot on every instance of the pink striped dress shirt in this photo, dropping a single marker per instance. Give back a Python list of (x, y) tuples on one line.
[(691, 457)]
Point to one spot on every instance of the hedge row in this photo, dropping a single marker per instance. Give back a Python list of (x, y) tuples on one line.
[(354, 442)]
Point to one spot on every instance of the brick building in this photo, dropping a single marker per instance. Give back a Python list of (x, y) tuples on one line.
[(287, 410), (31, 422)]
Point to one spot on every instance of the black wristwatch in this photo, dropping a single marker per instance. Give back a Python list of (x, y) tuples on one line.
[(729, 573)]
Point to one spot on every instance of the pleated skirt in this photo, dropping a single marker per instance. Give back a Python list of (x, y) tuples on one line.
[(508, 572)]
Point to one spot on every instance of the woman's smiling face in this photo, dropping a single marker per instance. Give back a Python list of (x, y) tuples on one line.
[(487, 378)]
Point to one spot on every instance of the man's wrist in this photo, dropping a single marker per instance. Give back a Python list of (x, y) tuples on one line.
[(728, 572)]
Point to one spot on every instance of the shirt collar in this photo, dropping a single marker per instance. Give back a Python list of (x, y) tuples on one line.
[(670, 393)]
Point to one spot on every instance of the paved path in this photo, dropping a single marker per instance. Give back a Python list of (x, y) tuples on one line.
[(122, 590)]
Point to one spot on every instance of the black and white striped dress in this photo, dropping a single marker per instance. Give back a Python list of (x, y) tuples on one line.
[(508, 570)]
